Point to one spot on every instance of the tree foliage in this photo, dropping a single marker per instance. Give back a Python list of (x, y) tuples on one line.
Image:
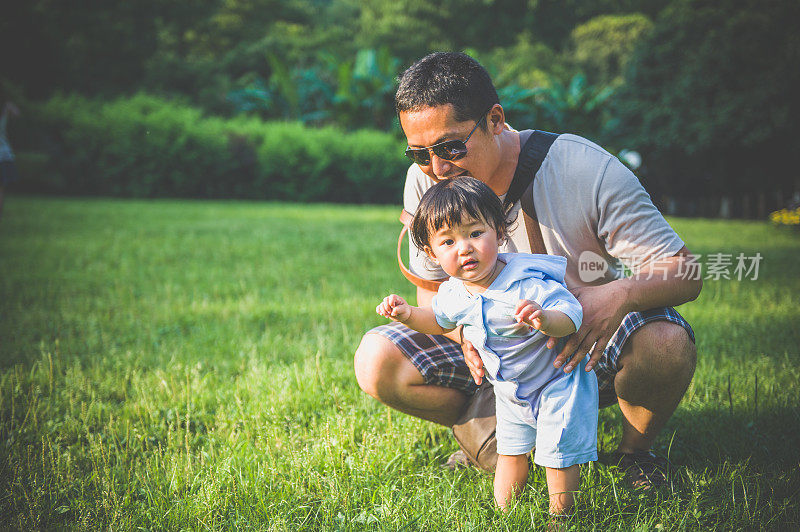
[(705, 90), (711, 96), (142, 146), (603, 46), (575, 106), (554, 20)]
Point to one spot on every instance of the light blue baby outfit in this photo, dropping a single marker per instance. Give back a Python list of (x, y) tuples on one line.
[(537, 405)]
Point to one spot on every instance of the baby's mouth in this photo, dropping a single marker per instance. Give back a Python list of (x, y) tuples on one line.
[(471, 264)]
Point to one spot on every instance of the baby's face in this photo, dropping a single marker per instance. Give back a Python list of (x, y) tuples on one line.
[(467, 251)]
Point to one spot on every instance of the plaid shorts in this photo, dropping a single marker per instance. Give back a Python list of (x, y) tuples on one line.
[(441, 362)]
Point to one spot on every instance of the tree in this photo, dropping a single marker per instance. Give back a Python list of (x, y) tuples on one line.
[(553, 20), (573, 107), (413, 28), (95, 46), (711, 97), (603, 46)]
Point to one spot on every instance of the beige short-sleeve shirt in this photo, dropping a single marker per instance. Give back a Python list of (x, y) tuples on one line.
[(591, 208)]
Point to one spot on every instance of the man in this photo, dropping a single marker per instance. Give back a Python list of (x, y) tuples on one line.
[(589, 207)]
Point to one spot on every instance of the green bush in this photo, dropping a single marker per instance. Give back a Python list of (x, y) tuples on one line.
[(149, 147)]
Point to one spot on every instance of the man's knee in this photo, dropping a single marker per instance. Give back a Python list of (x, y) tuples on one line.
[(663, 348), (382, 369)]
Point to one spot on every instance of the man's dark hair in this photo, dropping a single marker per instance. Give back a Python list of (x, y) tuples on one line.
[(449, 202), (447, 77)]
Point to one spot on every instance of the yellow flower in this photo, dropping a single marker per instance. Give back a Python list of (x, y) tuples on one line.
[(785, 217)]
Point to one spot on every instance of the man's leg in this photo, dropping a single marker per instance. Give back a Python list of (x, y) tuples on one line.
[(655, 368), (385, 373)]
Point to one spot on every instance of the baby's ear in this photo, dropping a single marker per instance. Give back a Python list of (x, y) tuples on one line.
[(431, 256)]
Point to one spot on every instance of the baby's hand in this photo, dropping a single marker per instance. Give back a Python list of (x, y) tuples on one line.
[(395, 308), (531, 313)]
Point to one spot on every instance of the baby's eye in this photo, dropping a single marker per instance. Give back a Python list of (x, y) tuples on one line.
[(448, 242), (476, 233)]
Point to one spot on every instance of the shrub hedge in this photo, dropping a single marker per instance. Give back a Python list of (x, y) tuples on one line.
[(144, 146)]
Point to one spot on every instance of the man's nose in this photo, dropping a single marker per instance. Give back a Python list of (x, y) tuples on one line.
[(440, 167)]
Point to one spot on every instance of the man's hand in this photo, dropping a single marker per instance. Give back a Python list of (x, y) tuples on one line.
[(395, 308), (473, 360), (603, 311)]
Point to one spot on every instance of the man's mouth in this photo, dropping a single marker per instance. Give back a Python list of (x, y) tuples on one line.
[(454, 176)]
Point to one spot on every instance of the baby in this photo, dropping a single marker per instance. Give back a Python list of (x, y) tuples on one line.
[(509, 304)]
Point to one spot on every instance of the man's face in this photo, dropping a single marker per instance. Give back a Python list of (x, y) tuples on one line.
[(432, 125)]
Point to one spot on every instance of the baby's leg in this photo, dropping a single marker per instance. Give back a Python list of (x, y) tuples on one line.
[(561, 485), (510, 477)]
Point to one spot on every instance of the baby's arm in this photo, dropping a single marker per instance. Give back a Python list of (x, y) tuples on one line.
[(421, 319), (550, 322)]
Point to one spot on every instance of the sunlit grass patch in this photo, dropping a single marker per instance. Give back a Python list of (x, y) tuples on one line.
[(180, 364)]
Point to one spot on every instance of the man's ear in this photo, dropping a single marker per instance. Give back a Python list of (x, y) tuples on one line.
[(496, 119), (431, 256)]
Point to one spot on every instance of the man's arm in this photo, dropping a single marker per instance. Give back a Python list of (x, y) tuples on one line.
[(665, 283), (605, 306)]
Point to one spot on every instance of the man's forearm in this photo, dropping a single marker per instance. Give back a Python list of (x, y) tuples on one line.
[(665, 284)]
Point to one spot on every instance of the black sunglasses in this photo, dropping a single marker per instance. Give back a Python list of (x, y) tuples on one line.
[(449, 150)]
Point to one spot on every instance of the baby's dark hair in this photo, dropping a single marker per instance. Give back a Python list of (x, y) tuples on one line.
[(449, 202)]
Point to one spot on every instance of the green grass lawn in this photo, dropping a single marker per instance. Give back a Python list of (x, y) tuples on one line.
[(182, 364)]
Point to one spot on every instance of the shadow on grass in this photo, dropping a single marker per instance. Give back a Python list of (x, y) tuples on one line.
[(766, 439), (705, 436), (743, 455)]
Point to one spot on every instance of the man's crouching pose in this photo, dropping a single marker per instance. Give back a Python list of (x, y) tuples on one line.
[(591, 210)]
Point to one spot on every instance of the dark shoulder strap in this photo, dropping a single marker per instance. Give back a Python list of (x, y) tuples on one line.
[(535, 145)]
